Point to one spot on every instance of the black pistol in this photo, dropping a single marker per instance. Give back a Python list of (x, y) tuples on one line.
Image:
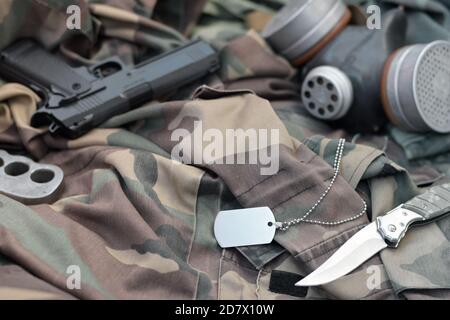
[(76, 100)]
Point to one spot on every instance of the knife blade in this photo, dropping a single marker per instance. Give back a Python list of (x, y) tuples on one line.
[(386, 231)]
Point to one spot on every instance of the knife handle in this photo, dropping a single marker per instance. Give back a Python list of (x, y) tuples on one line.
[(431, 205)]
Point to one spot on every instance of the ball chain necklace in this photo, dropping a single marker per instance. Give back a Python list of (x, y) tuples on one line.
[(283, 226), (256, 226)]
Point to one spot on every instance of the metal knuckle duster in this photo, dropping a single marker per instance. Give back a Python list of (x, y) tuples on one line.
[(27, 181)]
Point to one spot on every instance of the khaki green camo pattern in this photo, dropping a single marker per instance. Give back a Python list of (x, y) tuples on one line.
[(139, 225)]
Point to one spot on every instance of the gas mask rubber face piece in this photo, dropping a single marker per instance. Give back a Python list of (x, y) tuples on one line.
[(358, 78), (342, 82), (416, 87), (342, 64), (303, 27)]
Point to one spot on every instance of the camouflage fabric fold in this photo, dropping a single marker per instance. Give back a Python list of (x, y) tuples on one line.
[(133, 222)]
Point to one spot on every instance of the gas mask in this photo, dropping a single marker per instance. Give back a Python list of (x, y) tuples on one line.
[(356, 77)]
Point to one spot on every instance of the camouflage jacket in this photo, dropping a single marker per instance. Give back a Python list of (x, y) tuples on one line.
[(139, 226)]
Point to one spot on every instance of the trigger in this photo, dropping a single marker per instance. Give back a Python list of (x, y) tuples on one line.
[(42, 93)]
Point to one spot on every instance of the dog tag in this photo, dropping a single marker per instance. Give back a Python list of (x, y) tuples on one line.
[(245, 227)]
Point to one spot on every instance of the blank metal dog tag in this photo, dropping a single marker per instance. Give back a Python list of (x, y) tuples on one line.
[(244, 227)]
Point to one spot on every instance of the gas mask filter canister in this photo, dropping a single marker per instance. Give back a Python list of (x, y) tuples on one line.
[(416, 87), (303, 27)]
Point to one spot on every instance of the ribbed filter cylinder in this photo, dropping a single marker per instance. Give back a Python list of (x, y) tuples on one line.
[(416, 87), (303, 27)]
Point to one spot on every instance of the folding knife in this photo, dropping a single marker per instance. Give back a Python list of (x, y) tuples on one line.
[(386, 231)]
